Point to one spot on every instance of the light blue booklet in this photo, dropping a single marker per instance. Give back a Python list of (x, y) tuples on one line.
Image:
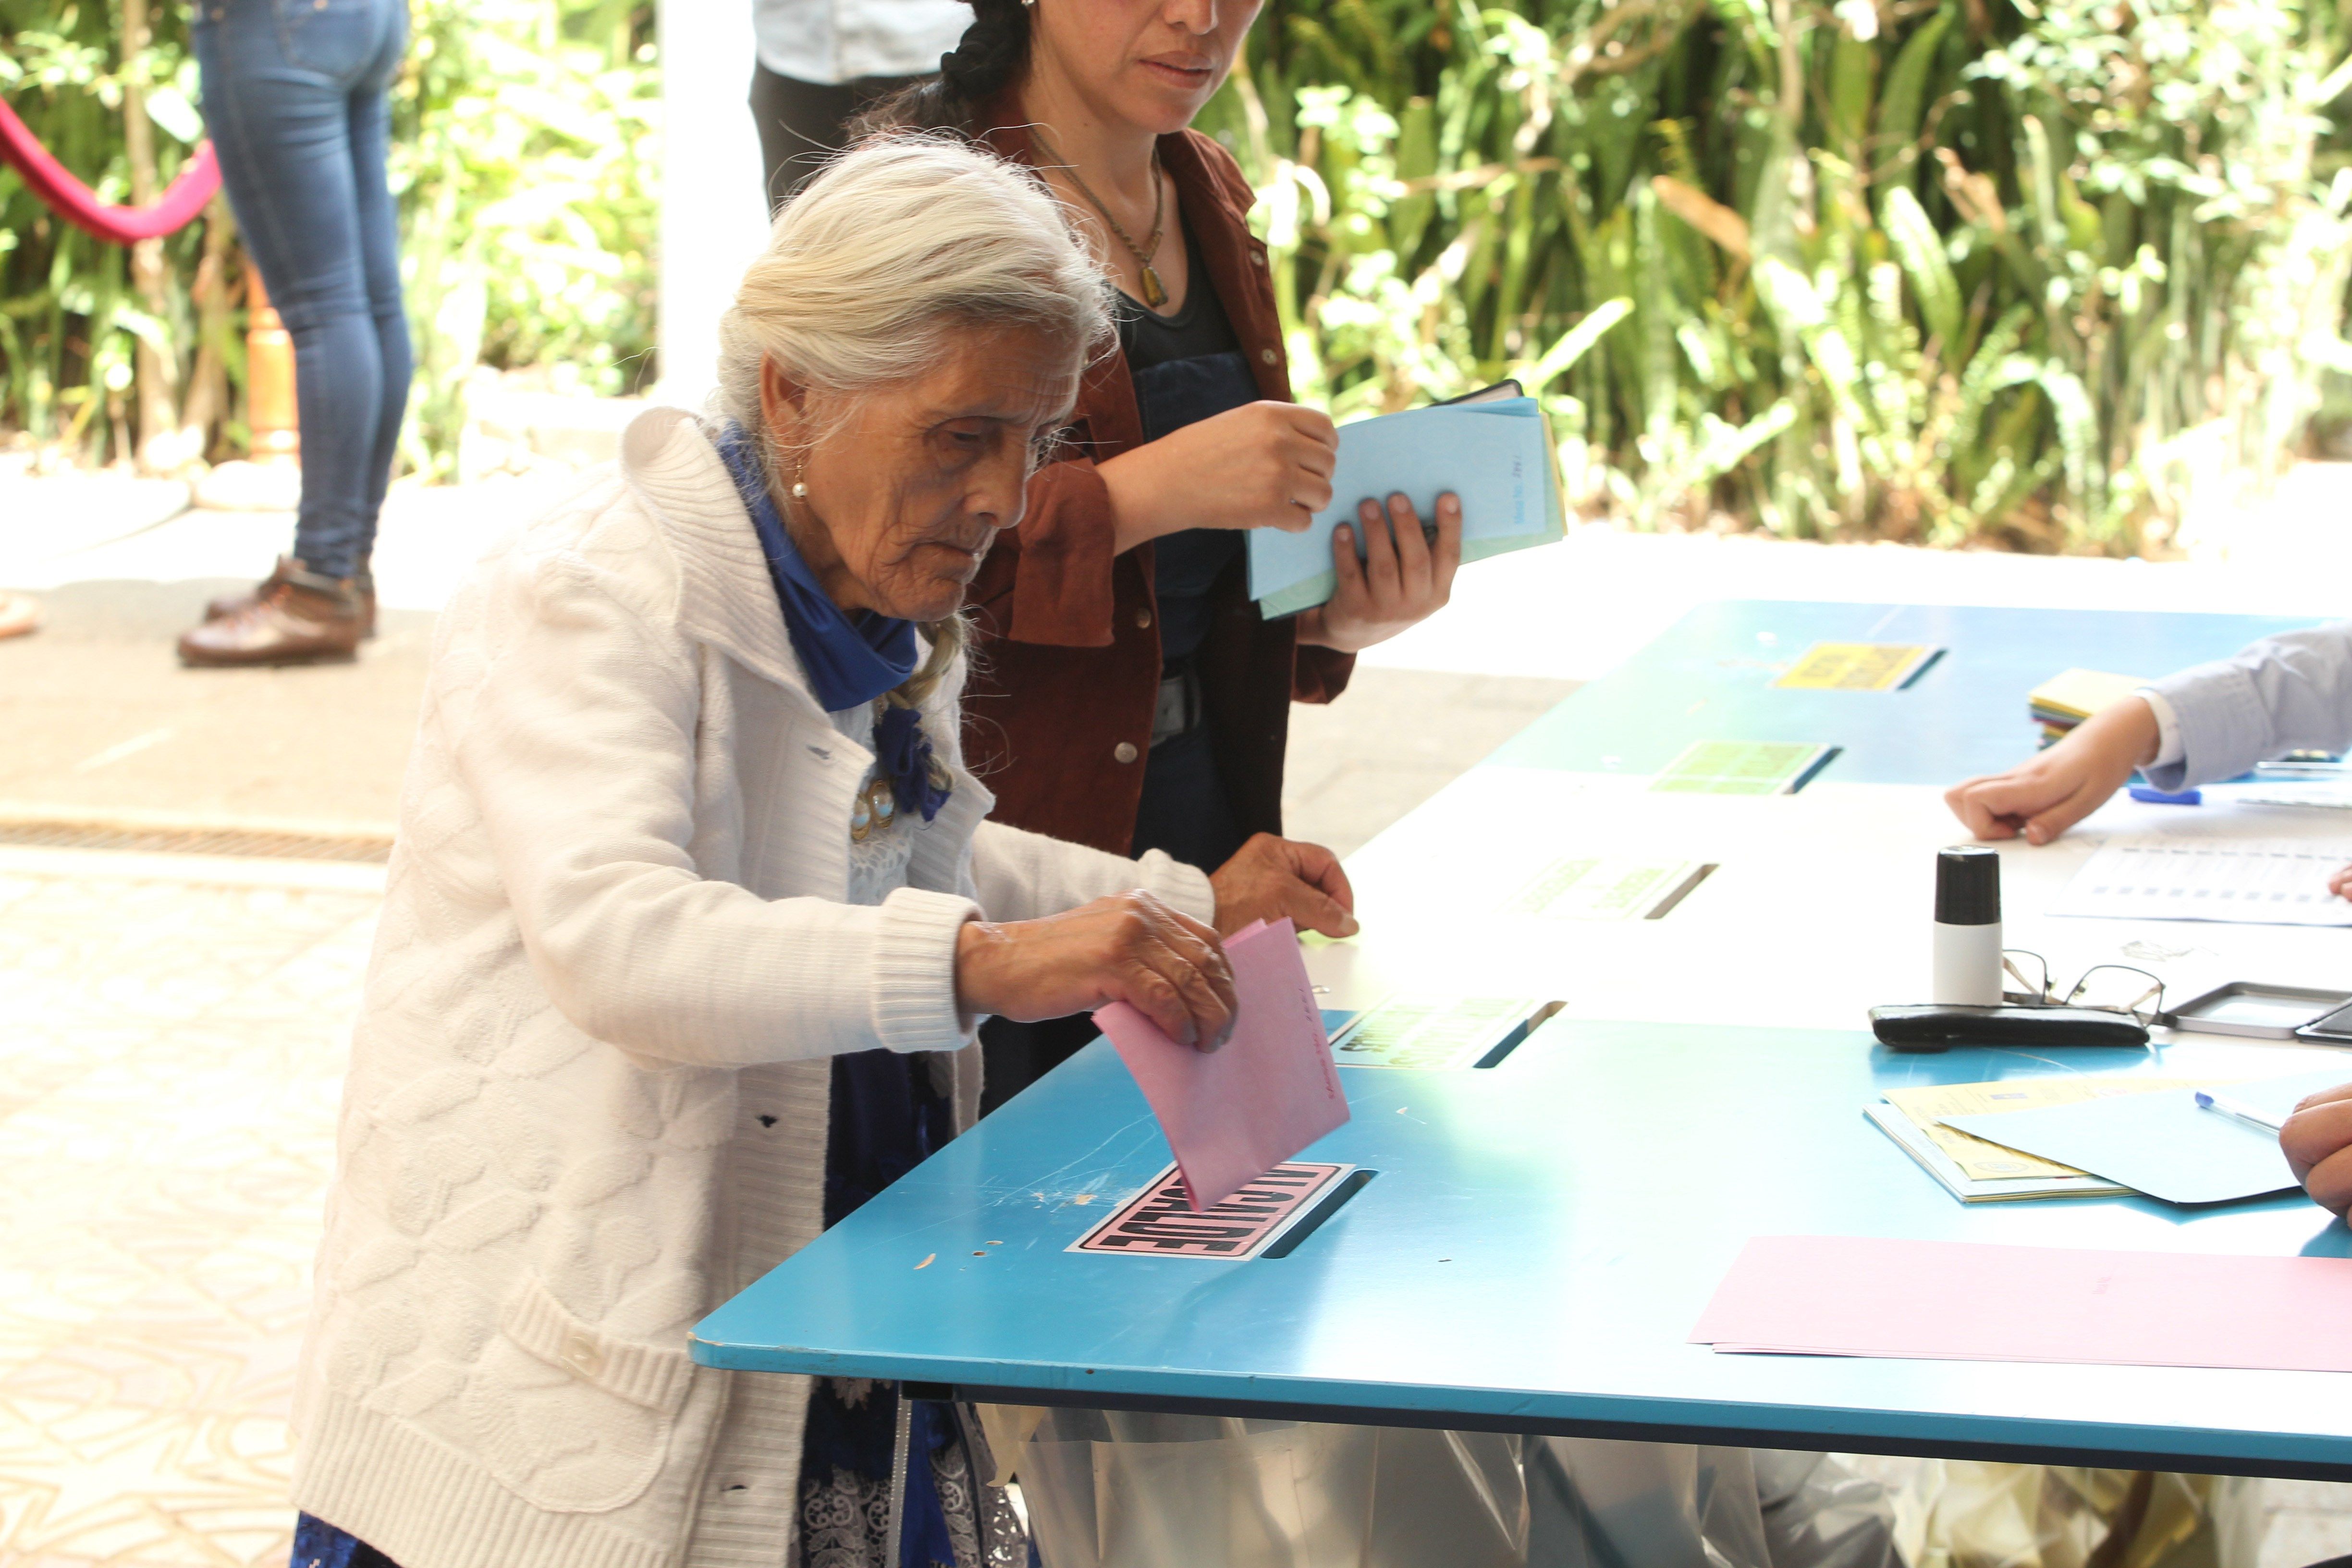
[(2159, 1144), (1499, 456)]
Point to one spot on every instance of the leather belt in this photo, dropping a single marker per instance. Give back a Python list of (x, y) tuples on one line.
[(1179, 707)]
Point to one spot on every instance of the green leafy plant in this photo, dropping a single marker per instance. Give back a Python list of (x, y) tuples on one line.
[(1969, 271), (523, 161)]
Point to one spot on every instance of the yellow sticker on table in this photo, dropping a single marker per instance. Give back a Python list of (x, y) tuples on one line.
[(1858, 666)]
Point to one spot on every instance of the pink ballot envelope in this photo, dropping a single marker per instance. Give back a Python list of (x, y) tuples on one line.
[(1233, 1114), (1953, 1301)]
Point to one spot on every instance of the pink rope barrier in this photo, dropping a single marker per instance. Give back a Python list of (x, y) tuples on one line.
[(72, 201)]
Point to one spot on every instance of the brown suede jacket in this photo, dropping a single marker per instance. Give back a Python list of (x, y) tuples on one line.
[(1057, 716)]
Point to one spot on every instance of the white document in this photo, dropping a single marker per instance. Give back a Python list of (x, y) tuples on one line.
[(2330, 796), (2251, 881)]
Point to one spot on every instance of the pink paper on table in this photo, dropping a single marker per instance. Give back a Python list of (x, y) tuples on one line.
[(1950, 1300), (1233, 1114)]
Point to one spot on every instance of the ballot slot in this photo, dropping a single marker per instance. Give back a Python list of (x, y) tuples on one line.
[(1441, 1033), (1325, 1209)]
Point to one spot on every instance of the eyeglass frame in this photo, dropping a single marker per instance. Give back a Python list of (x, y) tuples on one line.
[(2046, 996)]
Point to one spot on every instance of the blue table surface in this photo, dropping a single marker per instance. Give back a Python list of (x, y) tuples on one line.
[(1536, 1247), (1709, 677), (1542, 1236)]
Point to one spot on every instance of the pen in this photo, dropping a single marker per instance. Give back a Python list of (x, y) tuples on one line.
[(2167, 797), (2237, 1112)]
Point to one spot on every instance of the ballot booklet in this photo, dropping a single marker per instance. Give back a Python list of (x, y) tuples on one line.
[(1499, 456), (1976, 1170)]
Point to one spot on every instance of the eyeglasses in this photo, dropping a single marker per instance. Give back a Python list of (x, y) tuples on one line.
[(2104, 987)]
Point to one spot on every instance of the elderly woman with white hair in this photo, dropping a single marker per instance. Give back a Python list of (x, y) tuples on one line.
[(693, 914)]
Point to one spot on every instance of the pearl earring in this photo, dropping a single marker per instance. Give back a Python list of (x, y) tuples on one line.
[(800, 491)]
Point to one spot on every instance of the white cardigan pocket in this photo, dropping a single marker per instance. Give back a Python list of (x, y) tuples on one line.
[(571, 1418)]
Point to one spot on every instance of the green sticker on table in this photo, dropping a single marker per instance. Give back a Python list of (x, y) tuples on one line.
[(1743, 767)]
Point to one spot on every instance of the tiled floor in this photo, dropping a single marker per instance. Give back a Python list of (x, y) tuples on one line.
[(173, 1058)]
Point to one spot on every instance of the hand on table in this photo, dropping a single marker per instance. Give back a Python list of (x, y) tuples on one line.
[(1262, 465), (2047, 794), (1404, 578), (2339, 882), (1269, 877), (2317, 1143), (1129, 947)]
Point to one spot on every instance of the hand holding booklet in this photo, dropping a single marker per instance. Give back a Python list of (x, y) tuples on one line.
[(1235, 1113), (1496, 456)]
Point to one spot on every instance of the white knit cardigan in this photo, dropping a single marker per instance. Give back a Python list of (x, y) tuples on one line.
[(588, 1091)]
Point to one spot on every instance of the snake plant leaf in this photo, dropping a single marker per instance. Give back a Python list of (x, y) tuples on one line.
[(1920, 251), (1573, 343), (1903, 102)]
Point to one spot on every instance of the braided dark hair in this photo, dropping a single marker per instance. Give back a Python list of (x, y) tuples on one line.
[(989, 58)]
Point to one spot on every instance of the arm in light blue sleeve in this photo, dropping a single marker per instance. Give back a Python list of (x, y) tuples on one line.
[(2290, 692)]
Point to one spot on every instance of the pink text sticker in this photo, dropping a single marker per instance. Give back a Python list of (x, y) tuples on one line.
[(1159, 1221)]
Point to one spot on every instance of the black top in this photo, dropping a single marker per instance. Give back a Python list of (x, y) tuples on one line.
[(1186, 367), (1967, 886)]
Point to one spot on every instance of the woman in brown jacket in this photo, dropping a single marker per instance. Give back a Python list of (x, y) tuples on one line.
[(1127, 694)]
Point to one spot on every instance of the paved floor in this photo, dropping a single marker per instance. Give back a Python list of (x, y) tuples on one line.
[(174, 1053), (175, 1027)]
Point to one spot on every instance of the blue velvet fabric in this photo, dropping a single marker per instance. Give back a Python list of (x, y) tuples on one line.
[(318, 1544)]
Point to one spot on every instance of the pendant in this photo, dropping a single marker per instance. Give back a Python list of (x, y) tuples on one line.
[(1155, 293), (883, 803), (861, 818)]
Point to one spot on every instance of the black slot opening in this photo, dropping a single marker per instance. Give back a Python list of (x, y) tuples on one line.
[(1925, 665), (1827, 756), (1667, 905), (1519, 1032), (1329, 1204)]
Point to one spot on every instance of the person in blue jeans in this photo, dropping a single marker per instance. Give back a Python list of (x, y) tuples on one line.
[(297, 96)]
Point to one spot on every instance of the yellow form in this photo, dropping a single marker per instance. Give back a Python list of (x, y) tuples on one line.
[(1856, 665), (1987, 1162)]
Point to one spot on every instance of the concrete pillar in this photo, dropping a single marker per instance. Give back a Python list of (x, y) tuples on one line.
[(712, 219)]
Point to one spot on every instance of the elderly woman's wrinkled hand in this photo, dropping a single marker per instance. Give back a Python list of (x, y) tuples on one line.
[(2317, 1143), (1129, 947), (1269, 877)]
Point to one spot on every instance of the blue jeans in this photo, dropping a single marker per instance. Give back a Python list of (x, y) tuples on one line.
[(296, 97)]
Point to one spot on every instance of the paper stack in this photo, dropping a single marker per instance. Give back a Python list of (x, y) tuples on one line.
[(1497, 456), (2094, 1135), (2068, 698)]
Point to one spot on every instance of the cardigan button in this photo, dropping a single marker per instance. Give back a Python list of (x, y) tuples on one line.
[(1125, 751), (581, 1354), (1142, 616), (1266, 354)]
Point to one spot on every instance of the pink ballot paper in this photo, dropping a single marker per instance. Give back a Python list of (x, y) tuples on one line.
[(1950, 1300), (1235, 1113)]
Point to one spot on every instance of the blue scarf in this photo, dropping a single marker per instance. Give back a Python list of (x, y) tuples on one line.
[(850, 659)]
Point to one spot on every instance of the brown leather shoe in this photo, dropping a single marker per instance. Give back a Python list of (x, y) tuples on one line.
[(363, 585), (296, 617)]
